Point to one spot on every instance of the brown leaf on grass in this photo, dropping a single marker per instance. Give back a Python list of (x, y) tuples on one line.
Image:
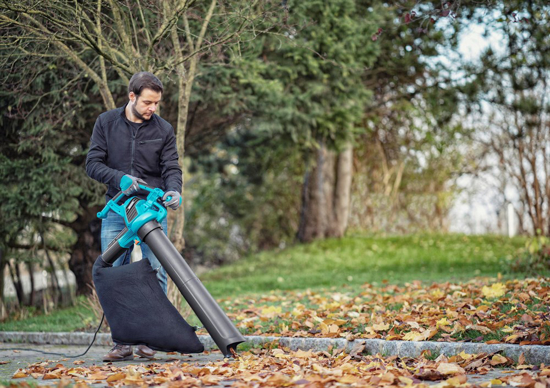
[(527, 318), (480, 328), (405, 312), (381, 327), (524, 297)]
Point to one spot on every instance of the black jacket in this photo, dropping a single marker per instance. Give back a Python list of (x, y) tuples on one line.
[(150, 154)]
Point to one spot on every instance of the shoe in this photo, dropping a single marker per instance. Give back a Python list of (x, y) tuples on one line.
[(119, 353), (145, 352)]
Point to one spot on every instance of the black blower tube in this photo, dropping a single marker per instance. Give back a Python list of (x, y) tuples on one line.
[(112, 253), (215, 321)]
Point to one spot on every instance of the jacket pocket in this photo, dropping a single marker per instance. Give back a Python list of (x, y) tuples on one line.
[(149, 141)]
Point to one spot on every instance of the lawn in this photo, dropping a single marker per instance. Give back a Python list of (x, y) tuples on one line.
[(355, 260), (327, 267)]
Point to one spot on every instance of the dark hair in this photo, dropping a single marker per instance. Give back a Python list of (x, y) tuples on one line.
[(144, 80)]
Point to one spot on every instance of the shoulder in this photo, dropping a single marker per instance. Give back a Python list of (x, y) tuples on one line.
[(162, 124), (112, 115)]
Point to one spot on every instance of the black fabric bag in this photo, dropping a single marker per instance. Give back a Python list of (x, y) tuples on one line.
[(138, 311)]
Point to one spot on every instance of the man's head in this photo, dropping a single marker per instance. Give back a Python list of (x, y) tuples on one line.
[(144, 92)]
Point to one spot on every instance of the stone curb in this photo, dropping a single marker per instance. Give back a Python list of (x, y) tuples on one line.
[(534, 354)]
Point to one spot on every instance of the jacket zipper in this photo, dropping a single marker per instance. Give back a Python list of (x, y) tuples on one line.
[(133, 151)]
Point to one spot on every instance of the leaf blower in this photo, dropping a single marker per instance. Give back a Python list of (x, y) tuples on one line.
[(143, 224)]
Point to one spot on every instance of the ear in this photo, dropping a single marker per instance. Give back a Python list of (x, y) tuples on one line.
[(132, 97)]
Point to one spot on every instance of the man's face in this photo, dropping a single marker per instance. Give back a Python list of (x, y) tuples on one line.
[(144, 105)]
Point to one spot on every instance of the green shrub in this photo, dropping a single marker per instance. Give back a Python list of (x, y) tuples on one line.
[(534, 259)]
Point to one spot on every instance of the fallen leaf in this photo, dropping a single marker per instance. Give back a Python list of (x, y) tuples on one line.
[(381, 327), (527, 318), (495, 291), (450, 369), (50, 376), (497, 359), (19, 374), (456, 381), (357, 349), (483, 329)]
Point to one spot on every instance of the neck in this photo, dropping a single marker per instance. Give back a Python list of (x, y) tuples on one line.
[(130, 114)]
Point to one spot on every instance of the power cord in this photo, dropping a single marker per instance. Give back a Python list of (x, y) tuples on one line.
[(63, 354)]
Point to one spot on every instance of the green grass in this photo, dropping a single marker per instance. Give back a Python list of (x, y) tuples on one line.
[(352, 260), (356, 260), (67, 319)]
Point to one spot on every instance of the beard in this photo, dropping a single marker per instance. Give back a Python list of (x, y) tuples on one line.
[(139, 115)]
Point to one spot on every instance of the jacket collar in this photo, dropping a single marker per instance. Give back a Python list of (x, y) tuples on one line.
[(145, 122)]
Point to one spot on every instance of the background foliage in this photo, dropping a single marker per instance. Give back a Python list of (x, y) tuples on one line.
[(295, 120)]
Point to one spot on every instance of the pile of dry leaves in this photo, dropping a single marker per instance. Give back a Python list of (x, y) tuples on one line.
[(481, 310)]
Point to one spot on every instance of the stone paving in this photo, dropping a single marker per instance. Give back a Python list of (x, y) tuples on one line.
[(21, 355)]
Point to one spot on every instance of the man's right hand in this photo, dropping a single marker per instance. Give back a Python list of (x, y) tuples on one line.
[(134, 186)]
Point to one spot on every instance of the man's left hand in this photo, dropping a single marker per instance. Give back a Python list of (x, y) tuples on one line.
[(174, 202)]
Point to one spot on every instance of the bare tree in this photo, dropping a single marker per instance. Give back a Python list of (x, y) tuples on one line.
[(510, 91)]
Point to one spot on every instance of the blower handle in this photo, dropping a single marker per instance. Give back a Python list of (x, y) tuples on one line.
[(135, 212)]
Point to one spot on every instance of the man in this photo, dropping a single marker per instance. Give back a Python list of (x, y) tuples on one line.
[(134, 141)]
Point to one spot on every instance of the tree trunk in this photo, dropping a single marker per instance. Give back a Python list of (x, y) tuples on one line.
[(32, 293), (326, 195), (313, 208), (186, 77), (185, 80), (2, 268), (342, 192), (16, 280), (57, 292), (3, 262), (86, 250), (329, 191), (305, 204)]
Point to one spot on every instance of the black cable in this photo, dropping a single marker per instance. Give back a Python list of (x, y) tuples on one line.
[(63, 354)]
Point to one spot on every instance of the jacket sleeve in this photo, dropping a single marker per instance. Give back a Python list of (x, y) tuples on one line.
[(171, 171), (96, 166)]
